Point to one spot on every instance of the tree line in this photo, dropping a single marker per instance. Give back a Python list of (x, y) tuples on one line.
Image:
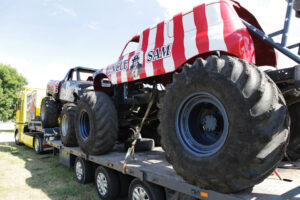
[(11, 83)]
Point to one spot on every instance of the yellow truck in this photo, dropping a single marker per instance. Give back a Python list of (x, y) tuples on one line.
[(28, 129)]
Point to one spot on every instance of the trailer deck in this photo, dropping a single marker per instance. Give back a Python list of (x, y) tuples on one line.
[(152, 166)]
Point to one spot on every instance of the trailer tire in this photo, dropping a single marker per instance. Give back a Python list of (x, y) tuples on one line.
[(38, 144), (96, 123), (142, 144), (239, 124), (49, 112), (139, 188), (83, 170), (107, 183), (293, 149), (67, 129)]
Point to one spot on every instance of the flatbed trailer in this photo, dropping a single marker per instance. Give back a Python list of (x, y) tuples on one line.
[(151, 166)]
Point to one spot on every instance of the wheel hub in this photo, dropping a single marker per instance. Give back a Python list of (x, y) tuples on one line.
[(140, 194), (36, 144), (79, 171), (209, 123), (202, 124), (102, 184)]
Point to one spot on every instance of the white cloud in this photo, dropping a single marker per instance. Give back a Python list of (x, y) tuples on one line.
[(92, 25), (270, 15), (65, 10), (60, 9)]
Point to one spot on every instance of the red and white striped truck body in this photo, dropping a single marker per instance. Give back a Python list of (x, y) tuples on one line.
[(213, 26)]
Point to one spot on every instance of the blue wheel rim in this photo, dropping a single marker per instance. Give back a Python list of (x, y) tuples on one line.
[(202, 124), (84, 125)]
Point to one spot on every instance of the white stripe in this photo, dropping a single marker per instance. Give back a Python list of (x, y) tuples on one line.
[(168, 62), (190, 33), (114, 78), (124, 72), (151, 45), (215, 27)]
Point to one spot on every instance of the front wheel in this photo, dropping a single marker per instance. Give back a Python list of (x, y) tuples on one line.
[(223, 124), (96, 123)]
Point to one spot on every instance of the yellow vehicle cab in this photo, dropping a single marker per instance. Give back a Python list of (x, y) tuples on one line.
[(27, 111)]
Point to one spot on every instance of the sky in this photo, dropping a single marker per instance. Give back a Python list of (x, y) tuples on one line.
[(42, 39)]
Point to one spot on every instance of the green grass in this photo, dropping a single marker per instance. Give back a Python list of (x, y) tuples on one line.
[(26, 175), (6, 131)]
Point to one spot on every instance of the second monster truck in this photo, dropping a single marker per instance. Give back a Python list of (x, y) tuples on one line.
[(222, 122)]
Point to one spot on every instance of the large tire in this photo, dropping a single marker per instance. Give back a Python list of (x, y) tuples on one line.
[(67, 129), (49, 112), (239, 130), (293, 149), (96, 123)]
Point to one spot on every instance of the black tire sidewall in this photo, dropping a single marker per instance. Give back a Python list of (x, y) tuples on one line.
[(87, 142), (69, 139), (112, 183), (85, 169), (227, 96)]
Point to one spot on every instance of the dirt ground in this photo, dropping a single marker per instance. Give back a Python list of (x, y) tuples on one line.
[(26, 175)]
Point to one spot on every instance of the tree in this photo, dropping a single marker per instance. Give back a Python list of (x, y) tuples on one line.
[(11, 83)]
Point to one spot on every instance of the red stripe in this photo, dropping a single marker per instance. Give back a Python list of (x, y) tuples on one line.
[(202, 41), (129, 76), (178, 45), (158, 67), (237, 39), (144, 49)]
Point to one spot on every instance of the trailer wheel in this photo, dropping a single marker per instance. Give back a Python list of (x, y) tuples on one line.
[(38, 144), (224, 124), (96, 123), (67, 117), (83, 170), (139, 190), (107, 183), (293, 149), (49, 112)]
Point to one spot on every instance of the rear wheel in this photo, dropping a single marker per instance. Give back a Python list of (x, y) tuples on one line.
[(223, 124), (83, 170), (96, 123), (107, 183), (67, 117), (38, 144), (49, 112), (139, 190)]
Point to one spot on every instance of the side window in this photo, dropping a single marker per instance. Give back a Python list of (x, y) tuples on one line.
[(85, 76), (72, 76), (132, 46)]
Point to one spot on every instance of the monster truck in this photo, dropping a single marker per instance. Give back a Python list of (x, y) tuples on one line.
[(196, 81), (62, 97)]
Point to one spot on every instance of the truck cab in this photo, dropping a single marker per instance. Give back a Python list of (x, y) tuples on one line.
[(27, 111)]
